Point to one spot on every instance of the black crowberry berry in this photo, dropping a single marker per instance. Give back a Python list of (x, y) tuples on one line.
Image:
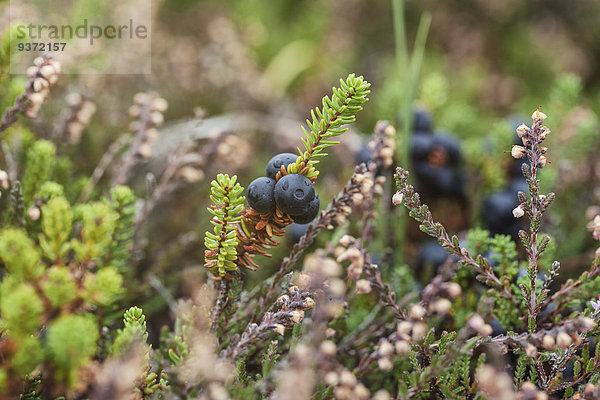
[(293, 194), (421, 146), (364, 155), (450, 145), (422, 121), (431, 255), (275, 163), (260, 194), (497, 213), (311, 213), (296, 231)]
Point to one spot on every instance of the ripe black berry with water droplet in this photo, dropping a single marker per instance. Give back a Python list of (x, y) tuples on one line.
[(275, 163), (293, 194), (313, 211), (260, 194)]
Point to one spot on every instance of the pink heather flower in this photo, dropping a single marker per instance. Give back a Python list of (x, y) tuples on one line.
[(518, 151), (594, 226), (522, 130), (397, 198), (595, 304), (538, 114), (518, 212)]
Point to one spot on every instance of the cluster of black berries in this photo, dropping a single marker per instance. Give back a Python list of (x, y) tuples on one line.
[(436, 159), (497, 209), (294, 194)]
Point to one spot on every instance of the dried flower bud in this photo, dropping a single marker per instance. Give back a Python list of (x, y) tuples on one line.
[(476, 322), (385, 349), (284, 299), (329, 333), (387, 152), (590, 388), (347, 378), (309, 302), (385, 364), (134, 111), (537, 114), (73, 99), (419, 331), (542, 161), (357, 199), (303, 281), (40, 84), (340, 219), (587, 323), (350, 254), (337, 287), (544, 132), (47, 71), (454, 290), (346, 210), (416, 311), (279, 329), (363, 286), (361, 392), (522, 130), (518, 212), (191, 174), (160, 104), (518, 151), (389, 130), (328, 348), (563, 340), (141, 98), (293, 290), (33, 213), (531, 351), (441, 306), (157, 118), (31, 72), (366, 186), (397, 198), (402, 347), (297, 316), (145, 150), (331, 378), (528, 386), (36, 98), (404, 327), (594, 227), (346, 240), (381, 395), (4, 182), (548, 342), (486, 330)]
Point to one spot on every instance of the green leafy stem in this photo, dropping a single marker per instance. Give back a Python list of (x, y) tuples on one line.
[(221, 254), (337, 111)]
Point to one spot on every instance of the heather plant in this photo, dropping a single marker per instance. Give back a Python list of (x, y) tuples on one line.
[(359, 305)]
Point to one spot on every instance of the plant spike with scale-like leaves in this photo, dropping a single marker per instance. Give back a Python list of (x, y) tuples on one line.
[(339, 110), (221, 255)]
